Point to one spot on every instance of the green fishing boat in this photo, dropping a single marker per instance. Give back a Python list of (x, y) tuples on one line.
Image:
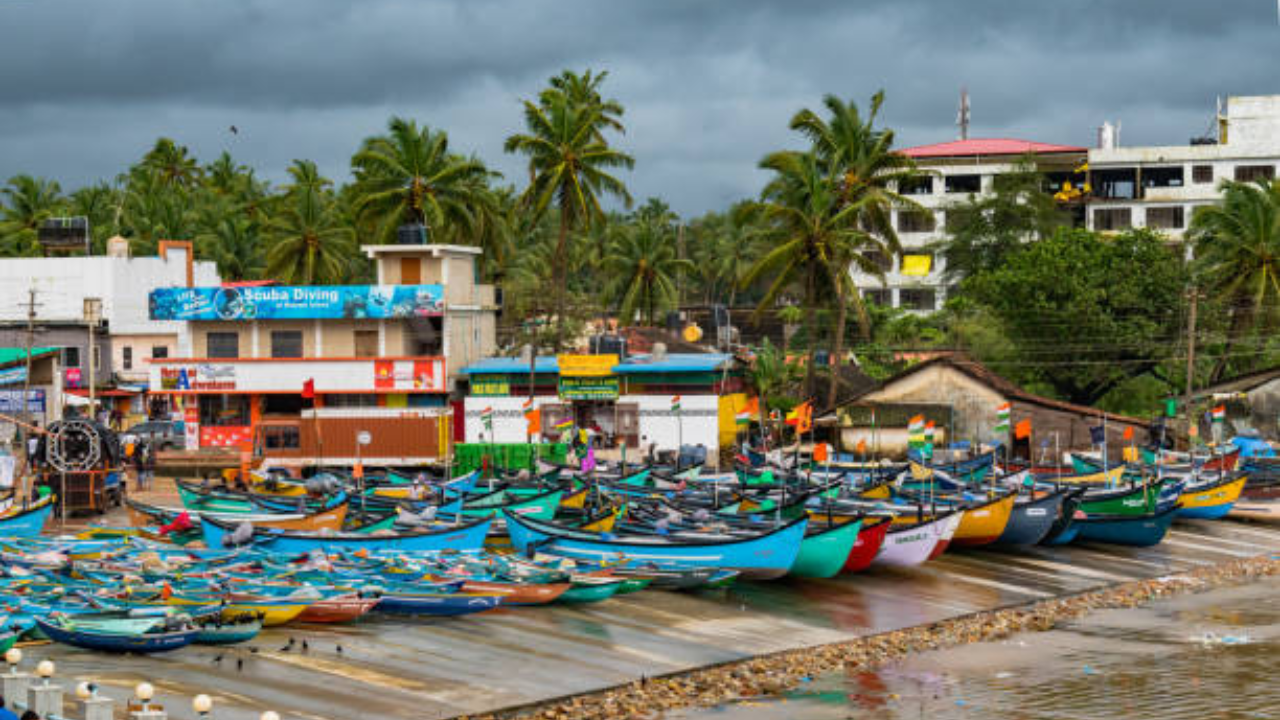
[(825, 549)]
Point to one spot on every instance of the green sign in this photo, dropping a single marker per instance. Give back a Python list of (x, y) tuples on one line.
[(589, 388), (490, 385)]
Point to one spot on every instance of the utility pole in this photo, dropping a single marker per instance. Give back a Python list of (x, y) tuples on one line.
[(25, 413), (1191, 360)]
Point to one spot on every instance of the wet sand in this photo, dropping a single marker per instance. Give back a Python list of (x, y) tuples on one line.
[(396, 668)]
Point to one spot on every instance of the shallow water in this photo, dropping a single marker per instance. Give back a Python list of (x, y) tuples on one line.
[(1209, 655)]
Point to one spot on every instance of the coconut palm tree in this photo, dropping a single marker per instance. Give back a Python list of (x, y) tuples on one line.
[(584, 90), (867, 170), (642, 264), (771, 377), (173, 163), (813, 234), (155, 209), (235, 244), (569, 164), (27, 202), (312, 244), (1237, 245), (410, 176)]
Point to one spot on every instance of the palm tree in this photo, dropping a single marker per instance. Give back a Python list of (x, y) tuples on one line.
[(409, 176), (155, 210), (867, 169), (569, 163), (1237, 246), (584, 90), (771, 376), (813, 233), (235, 244), (642, 266), (174, 163), (312, 243), (28, 201), (98, 203)]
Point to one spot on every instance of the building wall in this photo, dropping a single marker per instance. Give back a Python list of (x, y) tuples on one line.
[(974, 404), (1263, 409), (64, 337), (699, 418), (141, 345)]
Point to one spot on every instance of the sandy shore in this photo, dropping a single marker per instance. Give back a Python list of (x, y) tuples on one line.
[(777, 673)]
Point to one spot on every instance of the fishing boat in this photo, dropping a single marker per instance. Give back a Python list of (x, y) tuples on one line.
[(908, 545), (826, 547), (460, 537), (871, 537), (146, 636), (29, 521), (437, 604), (1033, 516), (1211, 500), (769, 554), (228, 631), (1139, 530), (338, 609), (144, 515), (588, 589), (1267, 511), (985, 522)]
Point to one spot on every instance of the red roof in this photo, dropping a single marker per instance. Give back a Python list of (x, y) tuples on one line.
[(247, 283), (988, 146)]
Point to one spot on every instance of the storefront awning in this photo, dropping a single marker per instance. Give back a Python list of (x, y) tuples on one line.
[(105, 392)]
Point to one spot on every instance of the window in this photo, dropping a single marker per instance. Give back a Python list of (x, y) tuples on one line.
[(882, 297), (410, 271), (917, 298), (351, 400), (222, 345), (224, 410), (126, 357), (1162, 177), (1112, 219), (964, 183), (880, 260), (286, 343), (916, 186), (366, 343), (1201, 174), (915, 221), (159, 351), (281, 404), (1121, 184), (281, 437), (1166, 218), (71, 357), (1249, 173)]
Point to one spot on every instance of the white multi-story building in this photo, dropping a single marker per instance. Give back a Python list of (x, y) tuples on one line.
[(1129, 187)]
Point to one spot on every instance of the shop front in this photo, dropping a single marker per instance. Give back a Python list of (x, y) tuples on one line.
[(221, 402)]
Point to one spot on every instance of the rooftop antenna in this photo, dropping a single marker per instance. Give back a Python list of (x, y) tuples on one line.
[(962, 117)]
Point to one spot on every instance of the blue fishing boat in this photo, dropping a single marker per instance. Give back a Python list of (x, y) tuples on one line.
[(1032, 518), (460, 537), (29, 521), (437, 604), (767, 555), (64, 630), (1139, 530)]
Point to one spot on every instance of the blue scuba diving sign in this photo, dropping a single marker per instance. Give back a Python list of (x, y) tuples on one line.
[(297, 302)]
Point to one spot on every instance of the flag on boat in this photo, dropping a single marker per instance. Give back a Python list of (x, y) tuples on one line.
[(1022, 430), (486, 418), (821, 452), (862, 447), (563, 425), (928, 431), (1002, 417), (801, 417), (1128, 432), (1220, 414), (532, 417), (751, 408), (309, 389), (675, 403), (1098, 435)]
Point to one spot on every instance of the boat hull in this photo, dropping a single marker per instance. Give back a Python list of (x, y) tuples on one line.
[(984, 524), (823, 554), (1140, 531), (1210, 503), (1030, 521), (108, 642), (915, 545), (870, 538)]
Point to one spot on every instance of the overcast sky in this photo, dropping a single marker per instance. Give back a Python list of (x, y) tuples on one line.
[(87, 85)]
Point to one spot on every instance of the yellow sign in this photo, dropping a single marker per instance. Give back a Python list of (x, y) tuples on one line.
[(586, 365)]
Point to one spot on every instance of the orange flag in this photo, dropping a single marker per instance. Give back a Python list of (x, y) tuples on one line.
[(862, 447), (1022, 430), (534, 418), (820, 453), (1128, 432)]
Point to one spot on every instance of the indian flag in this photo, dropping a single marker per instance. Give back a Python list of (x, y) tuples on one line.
[(751, 408), (527, 405), (915, 431), (928, 431), (1002, 417), (675, 403), (1220, 414), (486, 417)]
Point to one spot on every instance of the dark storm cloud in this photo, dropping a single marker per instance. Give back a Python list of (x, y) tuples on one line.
[(709, 85)]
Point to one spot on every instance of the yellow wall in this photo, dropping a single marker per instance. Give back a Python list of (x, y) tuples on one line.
[(729, 407)]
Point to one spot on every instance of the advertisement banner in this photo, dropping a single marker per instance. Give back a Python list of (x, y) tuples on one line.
[(291, 302), (586, 365), (11, 401), (73, 377), (13, 375), (589, 388), (490, 385)]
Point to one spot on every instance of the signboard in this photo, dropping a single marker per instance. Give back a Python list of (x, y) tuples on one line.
[(198, 377), (292, 302), (586, 365), (589, 388), (11, 401), (490, 385), (73, 377), (13, 375), (191, 427)]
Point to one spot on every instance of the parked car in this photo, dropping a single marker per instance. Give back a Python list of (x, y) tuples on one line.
[(159, 434)]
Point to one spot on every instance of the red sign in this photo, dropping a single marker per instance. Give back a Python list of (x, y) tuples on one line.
[(227, 436), (73, 377), (384, 374)]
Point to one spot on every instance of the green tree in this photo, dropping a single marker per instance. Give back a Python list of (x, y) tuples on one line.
[(1237, 245), (1085, 312), (173, 164), (984, 230), (569, 164), (236, 245), (312, 244), (27, 202), (155, 209), (641, 263), (773, 378), (867, 171), (410, 176)]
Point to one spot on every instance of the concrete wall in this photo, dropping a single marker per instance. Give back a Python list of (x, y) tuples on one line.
[(974, 403), (64, 337), (142, 348)]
